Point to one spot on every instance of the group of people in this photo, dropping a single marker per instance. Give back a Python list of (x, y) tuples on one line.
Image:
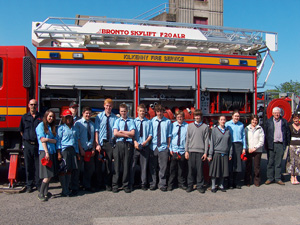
[(169, 154)]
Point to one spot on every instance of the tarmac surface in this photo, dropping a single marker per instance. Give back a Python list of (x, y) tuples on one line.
[(267, 204)]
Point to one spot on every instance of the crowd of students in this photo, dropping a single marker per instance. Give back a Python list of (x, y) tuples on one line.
[(105, 153)]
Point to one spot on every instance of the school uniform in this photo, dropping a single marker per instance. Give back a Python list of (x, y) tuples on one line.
[(178, 163), (143, 131), (104, 126), (45, 171), (86, 135), (67, 141), (159, 153), (197, 139), (238, 140), (220, 150), (122, 154)]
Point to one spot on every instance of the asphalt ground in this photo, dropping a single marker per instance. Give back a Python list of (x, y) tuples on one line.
[(267, 204)]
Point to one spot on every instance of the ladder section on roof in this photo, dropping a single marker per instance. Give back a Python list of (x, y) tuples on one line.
[(102, 32)]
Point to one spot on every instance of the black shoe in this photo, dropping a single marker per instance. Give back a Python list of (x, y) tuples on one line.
[(189, 189), (115, 190), (144, 188), (49, 195), (64, 195), (29, 190), (152, 188), (214, 190), (108, 188), (42, 198), (238, 187), (73, 193), (183, 187), (127, 190), (91, 190), (222, 189), (164, 189), (201, 190), (170, 188)]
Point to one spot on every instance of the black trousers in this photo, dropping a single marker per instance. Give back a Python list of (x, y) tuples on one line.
[(248, 174), (141, 156), (158, 161), (178, 169), (122, 154), (31, 156), (195, 165)]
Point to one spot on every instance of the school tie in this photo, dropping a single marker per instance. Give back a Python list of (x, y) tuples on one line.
[(125, 129), (107, 128), (158, 134), (178, 136), (141, 128), (88, 127)]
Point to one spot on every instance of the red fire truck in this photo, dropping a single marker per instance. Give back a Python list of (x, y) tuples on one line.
[(181, 66)]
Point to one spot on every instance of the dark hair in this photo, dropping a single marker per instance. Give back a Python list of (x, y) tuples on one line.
[(45, 122), (64, 119), (179, 112), (221, 116), (235, 111), (159, 108), (295, 115), (86, 108), (253, 116), (198, 112)]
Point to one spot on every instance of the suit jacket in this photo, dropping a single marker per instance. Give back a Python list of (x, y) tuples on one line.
[(269, 133)]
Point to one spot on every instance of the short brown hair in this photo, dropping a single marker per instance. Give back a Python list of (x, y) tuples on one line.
[(235, 111), (159, 108), (108, 101), (179, 112), (198, 112), (253, 116), (295, 115), (123, 106), (86, 108), (141, 106)]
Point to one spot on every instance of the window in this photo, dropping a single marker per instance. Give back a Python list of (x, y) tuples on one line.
[(201, 20), (1, 72)]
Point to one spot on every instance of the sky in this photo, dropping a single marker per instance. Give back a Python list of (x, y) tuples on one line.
[(278, 16)]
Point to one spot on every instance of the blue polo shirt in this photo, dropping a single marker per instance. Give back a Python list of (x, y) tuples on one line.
[(120, 125), (147, 130), (67, 137), (237, 132), (81, 127), (41, 133), (100, 126), (174, 145), (166, 132)]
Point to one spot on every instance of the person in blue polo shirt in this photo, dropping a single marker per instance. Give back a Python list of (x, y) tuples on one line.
[(178, 165), (238, 139), (143, 136), (67, 151), (124, 130), (159, 155)]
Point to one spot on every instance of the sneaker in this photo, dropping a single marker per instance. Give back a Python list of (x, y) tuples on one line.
[(222, 189), (238, 187), (189, 189), (42, 198)]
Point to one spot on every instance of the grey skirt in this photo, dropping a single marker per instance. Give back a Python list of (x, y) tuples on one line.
[(219, 167), (69, 155), (45, 171)]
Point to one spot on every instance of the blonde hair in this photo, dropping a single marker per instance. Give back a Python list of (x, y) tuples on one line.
[(108, 101)]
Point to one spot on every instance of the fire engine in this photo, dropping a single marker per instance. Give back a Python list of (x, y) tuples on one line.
[(181, 66)]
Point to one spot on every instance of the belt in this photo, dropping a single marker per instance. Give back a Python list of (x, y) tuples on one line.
[(31, 142)]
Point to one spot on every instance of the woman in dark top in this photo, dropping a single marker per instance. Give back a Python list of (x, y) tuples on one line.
[(219, 154), (293, 165)]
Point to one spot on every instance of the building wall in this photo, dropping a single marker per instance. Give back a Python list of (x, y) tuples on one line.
[(187, 10)]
